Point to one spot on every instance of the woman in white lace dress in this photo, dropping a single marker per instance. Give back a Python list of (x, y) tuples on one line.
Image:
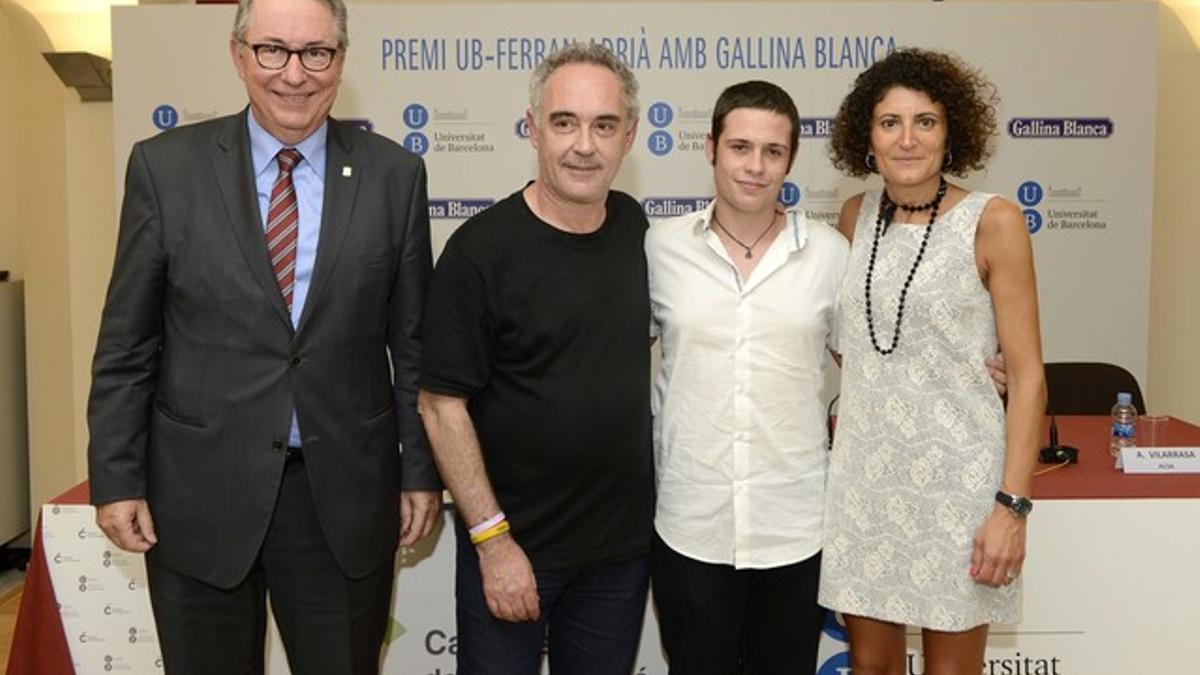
[(930, 476)]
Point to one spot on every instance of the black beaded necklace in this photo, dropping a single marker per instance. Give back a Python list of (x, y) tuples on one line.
[(887, 210)]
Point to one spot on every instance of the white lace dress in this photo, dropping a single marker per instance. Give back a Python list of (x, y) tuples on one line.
[(919, 449)]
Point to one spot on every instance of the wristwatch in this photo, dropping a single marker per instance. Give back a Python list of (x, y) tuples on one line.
[(1019, 506)]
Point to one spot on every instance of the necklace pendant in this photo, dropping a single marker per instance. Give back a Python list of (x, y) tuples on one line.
[(749, 254)]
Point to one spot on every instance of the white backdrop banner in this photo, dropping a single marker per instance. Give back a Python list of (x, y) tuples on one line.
[(450, 82)]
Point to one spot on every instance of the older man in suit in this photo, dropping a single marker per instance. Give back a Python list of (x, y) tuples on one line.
[(253, 417)]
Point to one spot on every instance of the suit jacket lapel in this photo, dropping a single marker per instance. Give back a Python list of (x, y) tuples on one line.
[(235, 179), (341, 189)]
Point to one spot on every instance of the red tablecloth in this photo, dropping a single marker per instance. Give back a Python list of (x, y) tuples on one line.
[(1094, 476), (39, 646)]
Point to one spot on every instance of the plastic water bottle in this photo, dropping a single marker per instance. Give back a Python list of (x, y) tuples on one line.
[(1124, 419)]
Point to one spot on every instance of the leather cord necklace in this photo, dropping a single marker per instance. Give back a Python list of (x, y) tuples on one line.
[(749, 249), (887, 210)]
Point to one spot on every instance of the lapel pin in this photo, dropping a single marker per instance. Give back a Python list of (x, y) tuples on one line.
[(347, 171)]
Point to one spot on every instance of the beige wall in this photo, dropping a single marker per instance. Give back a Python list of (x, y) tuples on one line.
[(38, 150), (11, 53), (1175, 277), (76, 25), (63, 224), (91, 222), (57, 224)]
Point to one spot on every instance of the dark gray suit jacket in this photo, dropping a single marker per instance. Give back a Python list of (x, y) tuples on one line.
[(198, 368)]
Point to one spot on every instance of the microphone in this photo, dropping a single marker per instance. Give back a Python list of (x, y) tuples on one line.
[(1055, 453)]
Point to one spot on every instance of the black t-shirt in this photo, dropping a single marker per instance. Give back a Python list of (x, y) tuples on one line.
[(546, 333)]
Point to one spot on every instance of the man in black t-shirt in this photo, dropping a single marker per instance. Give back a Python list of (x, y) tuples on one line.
[(535, 392)]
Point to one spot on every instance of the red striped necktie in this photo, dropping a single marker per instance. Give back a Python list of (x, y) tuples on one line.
[(283, 221)]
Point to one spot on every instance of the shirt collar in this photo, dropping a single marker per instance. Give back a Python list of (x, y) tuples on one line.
[(264, 147), (703, 217), (795, 230)]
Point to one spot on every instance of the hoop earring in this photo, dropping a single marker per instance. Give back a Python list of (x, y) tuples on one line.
[(948, 159), (870, 161)]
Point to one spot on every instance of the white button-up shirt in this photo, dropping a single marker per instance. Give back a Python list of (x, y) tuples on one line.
[(739, 420)]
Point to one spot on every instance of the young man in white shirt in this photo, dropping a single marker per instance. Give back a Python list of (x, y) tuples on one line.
[(744, 298)]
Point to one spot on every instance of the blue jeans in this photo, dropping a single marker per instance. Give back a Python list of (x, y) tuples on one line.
[(590, 620)]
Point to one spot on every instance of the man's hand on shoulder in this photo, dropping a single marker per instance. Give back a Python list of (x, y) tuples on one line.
[(508, 582), (128, 524), (419, 510)]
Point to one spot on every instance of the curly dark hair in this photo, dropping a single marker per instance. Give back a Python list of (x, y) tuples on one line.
[(969, 98)]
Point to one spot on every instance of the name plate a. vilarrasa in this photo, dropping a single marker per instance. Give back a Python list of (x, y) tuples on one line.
[(1160, 460)]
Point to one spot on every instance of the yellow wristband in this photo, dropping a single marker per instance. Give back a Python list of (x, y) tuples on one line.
[(493, 531)]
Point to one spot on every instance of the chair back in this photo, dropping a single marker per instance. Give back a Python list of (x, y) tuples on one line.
[(1088, 388)]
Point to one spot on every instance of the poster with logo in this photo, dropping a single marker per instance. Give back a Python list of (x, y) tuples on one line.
[(450, 82), (101, 593)]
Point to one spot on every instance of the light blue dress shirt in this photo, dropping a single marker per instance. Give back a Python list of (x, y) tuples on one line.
[(308, 179)]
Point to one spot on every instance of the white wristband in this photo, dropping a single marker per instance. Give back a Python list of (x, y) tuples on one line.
[(490, 522)]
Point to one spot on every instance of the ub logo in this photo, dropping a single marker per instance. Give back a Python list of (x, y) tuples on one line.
[(165, 117), (660, 142), (789, 194), (416, 143), (415, 116), (1030, 193), (659, 115)]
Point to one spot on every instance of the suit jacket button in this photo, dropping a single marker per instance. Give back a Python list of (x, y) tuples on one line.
[(295, 361), (277, 444)]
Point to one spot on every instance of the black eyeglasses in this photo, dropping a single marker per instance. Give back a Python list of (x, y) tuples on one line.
[(275, 56)]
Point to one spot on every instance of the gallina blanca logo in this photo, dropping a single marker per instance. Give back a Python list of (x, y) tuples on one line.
[(662, 207), (455, 208), (816, 127), (1060, 127)]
